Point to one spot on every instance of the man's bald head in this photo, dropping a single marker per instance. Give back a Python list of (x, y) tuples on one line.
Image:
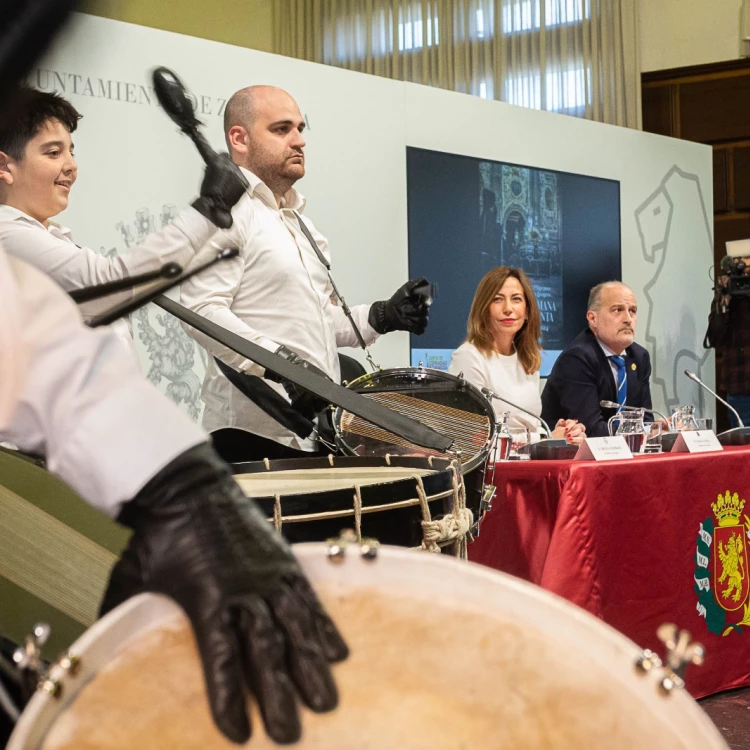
[(612, 314), (263, 128), (595, 295), (241, 108)]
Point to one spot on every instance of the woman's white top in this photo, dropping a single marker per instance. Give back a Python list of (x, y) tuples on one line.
[(505, 376)]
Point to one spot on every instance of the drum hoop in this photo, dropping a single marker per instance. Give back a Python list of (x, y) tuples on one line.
[(438, 483), (374, 377), (433, 463)]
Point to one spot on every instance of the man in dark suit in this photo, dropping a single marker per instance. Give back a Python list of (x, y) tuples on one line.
[(602, 363)]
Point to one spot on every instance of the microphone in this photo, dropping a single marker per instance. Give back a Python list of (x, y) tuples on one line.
[(614, 405), (696, 379), (174, 99), (491, 394)]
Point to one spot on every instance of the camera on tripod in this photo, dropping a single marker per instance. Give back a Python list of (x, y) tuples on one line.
[(733, 265)]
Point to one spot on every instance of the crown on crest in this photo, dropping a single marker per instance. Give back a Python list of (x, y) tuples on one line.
[(728, 509)]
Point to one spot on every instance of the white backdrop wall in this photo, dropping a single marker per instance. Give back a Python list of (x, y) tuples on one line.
[(135, 171)]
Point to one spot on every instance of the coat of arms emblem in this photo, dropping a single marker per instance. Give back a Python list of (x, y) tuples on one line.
[(722, 578)]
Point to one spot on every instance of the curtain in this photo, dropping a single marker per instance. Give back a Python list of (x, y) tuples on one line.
[(578, 57)]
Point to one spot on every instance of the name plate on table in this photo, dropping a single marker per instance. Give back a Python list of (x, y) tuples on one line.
[(603, 449), (697, 441)]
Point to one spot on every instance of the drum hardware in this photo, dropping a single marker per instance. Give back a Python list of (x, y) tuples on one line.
[(681, 652), (647, 661), (485, 506), (368, 548), (34, 670)]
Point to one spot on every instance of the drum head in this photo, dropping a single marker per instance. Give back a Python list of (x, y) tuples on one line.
[(444, 655), (450, 406)]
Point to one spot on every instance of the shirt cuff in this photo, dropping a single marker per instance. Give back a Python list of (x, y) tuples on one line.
[(111, 455)]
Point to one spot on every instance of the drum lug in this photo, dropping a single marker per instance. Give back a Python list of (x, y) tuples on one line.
[(50, 687), (647, 661), (368, 547), (680, 652), (29, 661), (28, 658), (69, 663), (485, 506)]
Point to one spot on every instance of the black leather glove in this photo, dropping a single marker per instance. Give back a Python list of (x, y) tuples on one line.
[(306, 403), (407, 310), (256, 619), (223, 185)]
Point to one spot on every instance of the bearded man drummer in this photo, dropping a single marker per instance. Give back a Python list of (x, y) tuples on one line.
[(282, 265)]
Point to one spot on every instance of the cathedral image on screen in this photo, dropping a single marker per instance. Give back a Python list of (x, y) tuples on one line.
[(468, 215), (521, 226)]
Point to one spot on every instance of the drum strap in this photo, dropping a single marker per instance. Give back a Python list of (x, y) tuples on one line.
[(266, 398), (339, 296), (382, 416)]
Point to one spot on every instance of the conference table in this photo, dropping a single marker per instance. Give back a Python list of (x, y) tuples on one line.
[(636, 542)]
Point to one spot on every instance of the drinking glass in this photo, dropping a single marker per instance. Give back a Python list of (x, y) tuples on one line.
[(705, 423), (519, 436), (652, 443)]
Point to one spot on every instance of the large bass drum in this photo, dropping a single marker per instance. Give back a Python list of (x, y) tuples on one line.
[(444, 655), (450, 405)]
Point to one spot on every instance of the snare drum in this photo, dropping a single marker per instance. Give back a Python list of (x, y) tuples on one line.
[(397, 500), (443, 655), (450, 405)]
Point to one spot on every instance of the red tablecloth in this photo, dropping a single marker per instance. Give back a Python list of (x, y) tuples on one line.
[(623, 540)]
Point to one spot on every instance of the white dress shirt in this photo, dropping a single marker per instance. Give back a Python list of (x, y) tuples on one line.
[(74, 395), (612, 366), (275, 293), (52, 250), (505, 376)]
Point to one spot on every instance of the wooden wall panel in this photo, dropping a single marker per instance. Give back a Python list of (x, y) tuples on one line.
[(721, 181), (715, 110), (741, 178), (658, 110)]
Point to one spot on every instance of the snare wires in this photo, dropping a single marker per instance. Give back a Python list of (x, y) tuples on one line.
[(470, 432)]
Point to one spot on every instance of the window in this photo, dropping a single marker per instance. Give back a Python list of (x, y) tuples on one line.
[(412, 35), (526, 15), (564, 91)]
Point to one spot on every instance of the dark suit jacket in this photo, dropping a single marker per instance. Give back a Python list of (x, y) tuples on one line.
[(582, 377)]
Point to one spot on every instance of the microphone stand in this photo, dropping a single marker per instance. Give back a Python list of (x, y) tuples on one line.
[(734, 436), (491, 394), (547, 449)]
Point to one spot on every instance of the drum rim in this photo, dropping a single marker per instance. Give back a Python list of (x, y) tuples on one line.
[(433, 463), (136, 616), (467, 466), (436, 481)]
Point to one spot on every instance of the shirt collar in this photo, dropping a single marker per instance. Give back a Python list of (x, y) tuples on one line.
[(293, 199), (11, 213), (608, 352)]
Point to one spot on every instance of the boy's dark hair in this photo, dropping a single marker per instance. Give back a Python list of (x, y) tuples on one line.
[(31, 109)]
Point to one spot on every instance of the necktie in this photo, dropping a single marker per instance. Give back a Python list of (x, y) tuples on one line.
[(622, 379)]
